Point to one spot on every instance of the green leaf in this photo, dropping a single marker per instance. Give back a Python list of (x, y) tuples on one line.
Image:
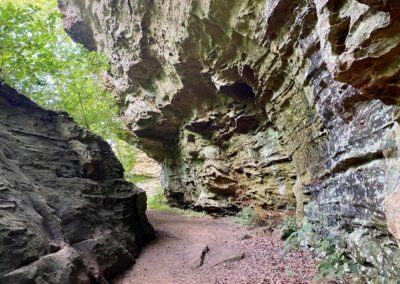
[(39, 59)]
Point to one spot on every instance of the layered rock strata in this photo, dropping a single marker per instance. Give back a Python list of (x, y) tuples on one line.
[(66, 214), (274, 103)]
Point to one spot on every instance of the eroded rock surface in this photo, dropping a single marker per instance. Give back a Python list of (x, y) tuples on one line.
[(66, 214), (275, 103)]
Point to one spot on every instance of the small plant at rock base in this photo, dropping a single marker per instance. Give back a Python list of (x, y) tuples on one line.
[(334, 264), (287, 228), (246, 217), (306, 236)]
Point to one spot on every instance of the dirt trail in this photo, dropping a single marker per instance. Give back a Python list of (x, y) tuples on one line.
[(169, 259)]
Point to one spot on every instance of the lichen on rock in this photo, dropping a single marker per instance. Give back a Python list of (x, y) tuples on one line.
[(279, 104)]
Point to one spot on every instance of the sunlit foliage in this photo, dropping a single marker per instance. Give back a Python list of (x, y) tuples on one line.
[(39, 59)]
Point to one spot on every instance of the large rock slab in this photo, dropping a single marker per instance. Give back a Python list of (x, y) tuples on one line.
[(277, 104), (66, 214)]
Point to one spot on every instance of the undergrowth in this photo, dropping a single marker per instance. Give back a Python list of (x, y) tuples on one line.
[(138, 178), (246, 217), (333, 262), (158, 201), (287, 228)]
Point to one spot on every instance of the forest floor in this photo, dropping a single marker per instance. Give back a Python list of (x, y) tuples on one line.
[(236, 255)]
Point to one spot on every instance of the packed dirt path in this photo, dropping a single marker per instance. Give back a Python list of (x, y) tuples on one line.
[(170, 259)]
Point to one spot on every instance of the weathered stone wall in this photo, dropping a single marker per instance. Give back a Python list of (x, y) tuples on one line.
[(149, 172), (66, 214), (269, 102)]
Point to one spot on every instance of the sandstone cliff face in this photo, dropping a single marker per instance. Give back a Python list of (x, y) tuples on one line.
[(271, 102), (66, 214)]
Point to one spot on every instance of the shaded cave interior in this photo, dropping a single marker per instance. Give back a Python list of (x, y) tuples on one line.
[(201, 171)]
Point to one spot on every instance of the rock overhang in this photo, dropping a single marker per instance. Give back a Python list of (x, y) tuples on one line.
[(271, 103)]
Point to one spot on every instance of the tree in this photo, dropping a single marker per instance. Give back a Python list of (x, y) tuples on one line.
[(39, 59)]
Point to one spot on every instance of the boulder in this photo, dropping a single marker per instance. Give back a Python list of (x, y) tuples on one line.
[(66, 213)]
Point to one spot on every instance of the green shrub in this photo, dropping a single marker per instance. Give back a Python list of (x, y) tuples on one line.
[(333, 261), (157, 200), (303, 237), (246, 217)]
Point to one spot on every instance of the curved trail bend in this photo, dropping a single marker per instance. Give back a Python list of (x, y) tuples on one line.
[(170, 258)]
